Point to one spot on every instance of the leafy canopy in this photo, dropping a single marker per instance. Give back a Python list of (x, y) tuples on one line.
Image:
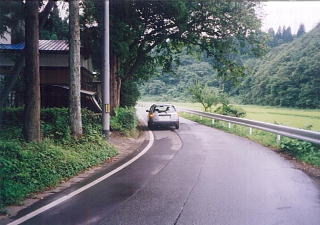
[(205, 95), (148, 33)]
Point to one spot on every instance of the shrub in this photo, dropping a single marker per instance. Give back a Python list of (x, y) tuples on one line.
[(124, 120), (12, 116), (54, 122), (29, 167), (304, 151), (230, 110)]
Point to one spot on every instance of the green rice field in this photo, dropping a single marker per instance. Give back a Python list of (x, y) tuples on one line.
[(299, 118)]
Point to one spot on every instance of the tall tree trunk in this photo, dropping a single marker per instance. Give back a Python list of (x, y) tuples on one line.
[(121, 8), (115, 81), (32, 73), (74, 66), (19, 63)]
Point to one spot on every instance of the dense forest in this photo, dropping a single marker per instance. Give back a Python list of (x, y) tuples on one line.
[(288, 75)]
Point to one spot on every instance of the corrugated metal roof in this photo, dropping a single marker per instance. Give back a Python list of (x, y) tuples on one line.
[(12, 47), (53, 45), (44, 45)]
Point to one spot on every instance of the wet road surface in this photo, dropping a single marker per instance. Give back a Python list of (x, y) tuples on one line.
[(197, 176)]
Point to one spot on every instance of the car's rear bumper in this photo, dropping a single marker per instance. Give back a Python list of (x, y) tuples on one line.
[(163, 123)]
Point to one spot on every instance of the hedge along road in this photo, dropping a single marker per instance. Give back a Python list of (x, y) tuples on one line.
[(196, 175)]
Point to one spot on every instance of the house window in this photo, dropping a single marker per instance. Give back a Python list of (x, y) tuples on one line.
[(11, 98)]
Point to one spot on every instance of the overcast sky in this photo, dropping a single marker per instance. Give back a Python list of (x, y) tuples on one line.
[(283, 13), (290, 13)]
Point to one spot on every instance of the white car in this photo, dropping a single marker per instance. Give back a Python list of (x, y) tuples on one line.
[(163, 115)]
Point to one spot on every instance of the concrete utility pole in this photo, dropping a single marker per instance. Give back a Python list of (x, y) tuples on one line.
[(106, 73)]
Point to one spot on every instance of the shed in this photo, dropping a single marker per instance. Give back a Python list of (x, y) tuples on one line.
[(54, 71)]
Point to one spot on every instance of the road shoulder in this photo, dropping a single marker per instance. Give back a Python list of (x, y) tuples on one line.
[(128, 148)]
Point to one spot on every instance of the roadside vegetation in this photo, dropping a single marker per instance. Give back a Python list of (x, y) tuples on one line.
[(178, 43), (125, 121), (286, 76), (26, 168), (303, 151), (305, 119), (308, 119)]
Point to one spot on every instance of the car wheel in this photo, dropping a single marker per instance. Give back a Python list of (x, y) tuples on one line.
[(177, 126)]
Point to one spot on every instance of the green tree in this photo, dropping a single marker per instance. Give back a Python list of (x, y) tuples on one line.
[(271, 38), (148, 33), (12, 15), (279, 36), (301, 30), (129, 94), (287, 76), (287, 34), (205, 95), (55, 27)]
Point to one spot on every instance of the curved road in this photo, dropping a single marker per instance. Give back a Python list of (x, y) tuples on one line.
[(196, 176)]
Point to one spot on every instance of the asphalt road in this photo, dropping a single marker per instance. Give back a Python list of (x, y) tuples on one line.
[(196, 176)]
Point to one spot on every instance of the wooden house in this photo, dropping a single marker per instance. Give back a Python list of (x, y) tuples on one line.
[(54, 74)]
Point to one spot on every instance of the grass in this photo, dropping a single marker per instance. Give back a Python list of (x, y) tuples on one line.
[(303, 151), (299, 118), (26, 168)]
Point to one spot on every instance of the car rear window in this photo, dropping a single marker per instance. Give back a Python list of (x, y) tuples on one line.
[(164, 108)]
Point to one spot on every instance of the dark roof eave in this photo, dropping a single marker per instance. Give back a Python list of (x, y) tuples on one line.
[(41, 51)]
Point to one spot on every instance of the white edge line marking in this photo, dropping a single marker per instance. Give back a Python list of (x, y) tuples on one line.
[(78, 191)]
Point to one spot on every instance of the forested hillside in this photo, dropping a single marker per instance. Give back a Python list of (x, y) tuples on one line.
[(174, 85), (289, 75)]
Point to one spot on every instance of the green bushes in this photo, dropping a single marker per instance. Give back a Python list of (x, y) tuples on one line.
[(304, 151), (230, 110), (30, 167), (54, 122), (125, 120), (12, 116)]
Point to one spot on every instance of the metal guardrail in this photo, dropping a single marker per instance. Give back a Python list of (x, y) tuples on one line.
[(305, 135)]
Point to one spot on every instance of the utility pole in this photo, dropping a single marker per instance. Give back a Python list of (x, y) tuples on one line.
[(106, 74)]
